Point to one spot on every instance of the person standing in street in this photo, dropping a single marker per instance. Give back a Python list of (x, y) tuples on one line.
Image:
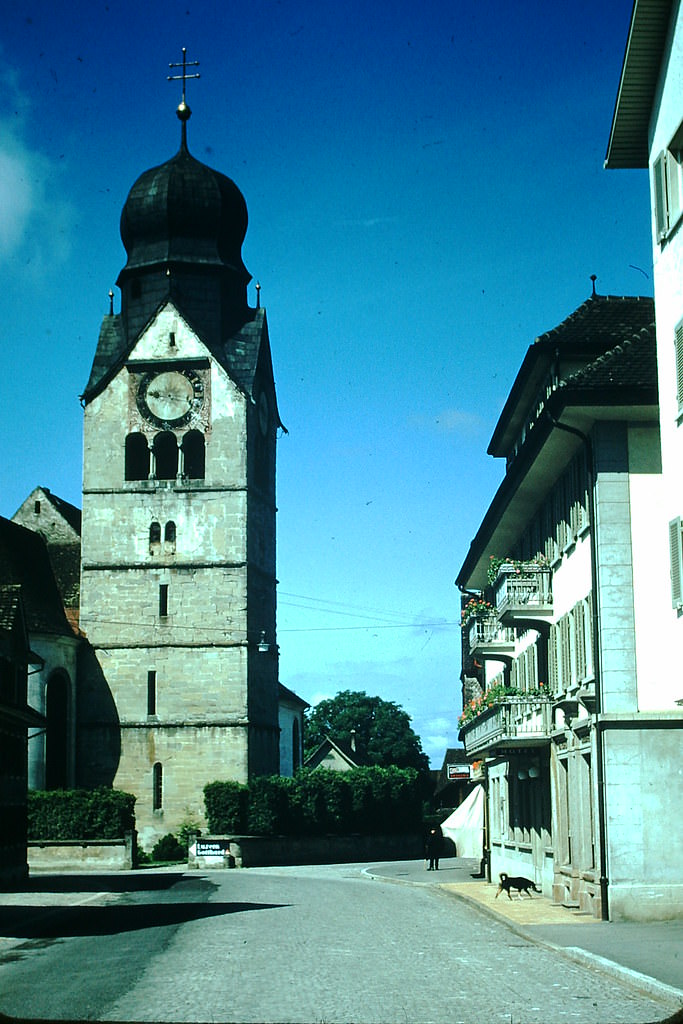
[(433, 848)]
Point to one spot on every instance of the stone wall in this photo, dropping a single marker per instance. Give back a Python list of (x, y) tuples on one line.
[(112, 855), (267, 851)]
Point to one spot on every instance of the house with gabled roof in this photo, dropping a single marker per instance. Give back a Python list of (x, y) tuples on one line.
[(25, 562), (335, 755), (59, 524), (563, 592)]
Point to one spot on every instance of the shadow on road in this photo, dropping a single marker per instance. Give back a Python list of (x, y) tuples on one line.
[(31, 922), (141, 881)]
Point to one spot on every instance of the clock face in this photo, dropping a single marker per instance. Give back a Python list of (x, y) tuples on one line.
[(169, 398)]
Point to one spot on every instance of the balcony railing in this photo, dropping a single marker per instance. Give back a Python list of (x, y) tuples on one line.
[(523, 593), (489, 639), (516, 723)]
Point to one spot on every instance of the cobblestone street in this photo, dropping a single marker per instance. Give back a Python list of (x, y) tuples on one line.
[(318, 944)]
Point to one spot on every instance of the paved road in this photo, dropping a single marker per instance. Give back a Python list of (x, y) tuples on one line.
[(310, 945)]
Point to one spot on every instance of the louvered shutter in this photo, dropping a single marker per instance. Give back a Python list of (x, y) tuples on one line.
[(676, 553), (659, 182), (673, 189), (678, 345)]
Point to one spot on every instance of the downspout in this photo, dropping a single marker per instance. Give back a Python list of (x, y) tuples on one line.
[(600, 765)]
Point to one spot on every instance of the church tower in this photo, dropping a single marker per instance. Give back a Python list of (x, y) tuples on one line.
[(178, 532)]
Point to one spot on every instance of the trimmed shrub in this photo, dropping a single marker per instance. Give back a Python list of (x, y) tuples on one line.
[(73, 814), (269, 806), (322, 802), (227, 807)]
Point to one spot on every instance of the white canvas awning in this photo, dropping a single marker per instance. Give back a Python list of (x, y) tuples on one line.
[(465, 826)]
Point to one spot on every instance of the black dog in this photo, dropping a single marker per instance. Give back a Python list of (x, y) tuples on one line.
[(522, 884)]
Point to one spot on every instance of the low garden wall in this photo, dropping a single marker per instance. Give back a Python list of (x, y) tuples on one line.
[(271, 851), (83, 855)]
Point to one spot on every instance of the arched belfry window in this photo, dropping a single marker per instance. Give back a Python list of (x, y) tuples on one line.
[(169, 532), (137, 457), (194, 456), (155, 533), (165, 456)]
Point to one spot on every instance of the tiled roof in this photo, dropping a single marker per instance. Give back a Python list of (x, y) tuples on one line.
[(598, 325), (632, 363), (9, 604), (601, 320), (286, 694), (109, 355), (65, 560), (24, 561)]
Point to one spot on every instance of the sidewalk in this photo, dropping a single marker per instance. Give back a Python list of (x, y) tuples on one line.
[(649, 955)]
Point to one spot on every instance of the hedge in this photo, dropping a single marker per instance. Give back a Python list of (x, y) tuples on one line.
[(321, 802), (73, 814)]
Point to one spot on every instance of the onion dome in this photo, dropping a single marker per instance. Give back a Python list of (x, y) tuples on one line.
[(184, 212)]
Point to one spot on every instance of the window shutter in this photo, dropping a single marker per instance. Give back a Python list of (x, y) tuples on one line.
[(673, 188), (552, 660), (678, 346), (659, 182), (676, 551), (580, 641)]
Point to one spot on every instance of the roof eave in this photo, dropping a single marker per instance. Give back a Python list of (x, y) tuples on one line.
[(628, 145)]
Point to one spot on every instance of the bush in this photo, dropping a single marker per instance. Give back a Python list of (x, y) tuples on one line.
[(227, 807), (187, 831), (168, 848), (270, 806), (379, 800), (73, 814)]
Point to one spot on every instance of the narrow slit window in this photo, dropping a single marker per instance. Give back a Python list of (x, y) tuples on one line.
[(158, 786), (163, 599), (151, 693)]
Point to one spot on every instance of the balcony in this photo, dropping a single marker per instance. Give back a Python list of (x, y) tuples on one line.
[(489, 639), (522, 594), (514, 724)]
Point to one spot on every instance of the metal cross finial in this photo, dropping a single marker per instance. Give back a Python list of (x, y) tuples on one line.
[(183, 110), (185, 64)]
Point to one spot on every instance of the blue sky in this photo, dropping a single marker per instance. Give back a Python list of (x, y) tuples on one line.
[(426, 195)]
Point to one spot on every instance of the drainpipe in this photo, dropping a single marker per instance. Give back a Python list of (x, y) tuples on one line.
[(600, 758)]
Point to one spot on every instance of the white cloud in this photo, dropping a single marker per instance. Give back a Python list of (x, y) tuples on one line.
[(35, 218), (449, 421), (17, 197), (436, 745), (439, 725)]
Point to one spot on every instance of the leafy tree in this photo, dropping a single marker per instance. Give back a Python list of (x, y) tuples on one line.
[(383, 732)]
